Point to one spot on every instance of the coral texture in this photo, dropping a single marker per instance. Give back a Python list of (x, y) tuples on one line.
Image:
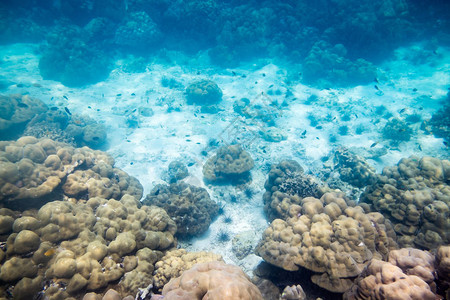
[(34, 171), (229, 164), (189, 206), (415, 196), (203, 92), (329, 237), (212, 280), (175, 262)]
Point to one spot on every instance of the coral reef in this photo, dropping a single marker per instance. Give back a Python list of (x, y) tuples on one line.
[(415, 196), (15, 112), (329, 237), (190, 207), (35, 171), (384, 280), (229, 164), (287, 184), (56, 124), (327, 65), (261, 109), (203, 92), (71, 59), (137, 32), (176, 171), (353, 168), (440, 122), (212, 280), (397, 131), (74, 247), (175, 262)]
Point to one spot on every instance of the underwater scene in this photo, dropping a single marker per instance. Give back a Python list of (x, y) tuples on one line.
[(224, 150)]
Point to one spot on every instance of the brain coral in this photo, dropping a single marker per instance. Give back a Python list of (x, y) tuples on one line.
[(382, 280), (329, 237), (212, 280), (189, 206), (85, 246), (415, 196), (203, 92), (229, 164), (15, 112), (286, 185), (34, 171)]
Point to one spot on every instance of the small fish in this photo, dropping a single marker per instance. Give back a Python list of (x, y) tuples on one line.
[(402, 110), (304, 132), (264, 74), (270, 86), (195, 115), (445, 143), (134, 110), (103, 95), (119, 95), (131, 163), (356, 116), (50, 252), (376, 80), (317, 138), (157, 192), (65, 97), (89, 106), (376, 87), (256, 82), (420, 148), (374, 144), (51, 99), (67, 111), (414, 90), (198, 72), (233, 72), (133, 94)]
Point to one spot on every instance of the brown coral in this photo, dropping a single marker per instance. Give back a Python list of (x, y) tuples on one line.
[(229, 164), (203, 92), (189, 206), (382, 280), (34, 171), (328, 237), (415, 196), (287, 184), (212, 280), (175, 262)]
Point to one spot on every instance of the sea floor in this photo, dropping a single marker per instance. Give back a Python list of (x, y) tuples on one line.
[(411, 82)]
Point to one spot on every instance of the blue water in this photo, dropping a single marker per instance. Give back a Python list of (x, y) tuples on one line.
[(157, 81)]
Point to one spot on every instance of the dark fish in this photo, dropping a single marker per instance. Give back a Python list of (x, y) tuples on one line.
[(376, 87), (89, 106), (376, 80), (198, 72), (270, 86), (445, 143), (420, 148), (244, 76), (264, 74), (157, 192), (134, 110), (51, 99), (256, 82), (54, 108), (133, 94), (195, 115), (402, 110), (319, 127), (317, 138), (22, 105), (131, 163), (98, 109), (119, 95), (304, 132), (65, 97), (374, 144), (414, 90), (233, 72), (188, 140), (67, 111), (103, 95), (356, 116)]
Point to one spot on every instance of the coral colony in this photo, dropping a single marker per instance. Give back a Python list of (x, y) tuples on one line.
[(239, 150)]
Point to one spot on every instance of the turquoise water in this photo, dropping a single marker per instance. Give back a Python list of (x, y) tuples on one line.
[(344, 88)]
